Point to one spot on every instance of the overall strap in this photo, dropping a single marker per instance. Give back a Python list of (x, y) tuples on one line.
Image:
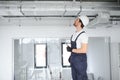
[(79, 35), (71, 38)]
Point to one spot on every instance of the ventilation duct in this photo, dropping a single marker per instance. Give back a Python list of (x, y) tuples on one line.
[(102, 18)]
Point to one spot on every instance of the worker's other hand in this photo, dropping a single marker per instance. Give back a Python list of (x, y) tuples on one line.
[(69, 49)]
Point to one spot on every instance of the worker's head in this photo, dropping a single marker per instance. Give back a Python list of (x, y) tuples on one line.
[(81, 21)]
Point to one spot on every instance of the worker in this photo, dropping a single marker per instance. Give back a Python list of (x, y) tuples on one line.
[(78, 49)]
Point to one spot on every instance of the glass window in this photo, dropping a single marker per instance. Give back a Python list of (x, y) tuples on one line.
[(40, 57), (65, 55)]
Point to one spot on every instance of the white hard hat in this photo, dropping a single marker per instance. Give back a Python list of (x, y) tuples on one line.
[(84, 19)]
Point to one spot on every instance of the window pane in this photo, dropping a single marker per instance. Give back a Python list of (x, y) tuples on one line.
[(40, 55)]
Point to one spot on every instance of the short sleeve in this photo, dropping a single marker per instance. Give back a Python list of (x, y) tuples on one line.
[(84, 38)]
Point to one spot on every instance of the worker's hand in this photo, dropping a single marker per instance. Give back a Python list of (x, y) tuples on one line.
[(69, 49)]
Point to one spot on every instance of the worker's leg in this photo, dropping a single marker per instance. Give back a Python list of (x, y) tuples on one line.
[(74, 75), (81, 67), (82, 74), (73, 70)]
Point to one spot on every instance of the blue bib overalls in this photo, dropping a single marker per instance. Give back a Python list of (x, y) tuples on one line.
[(78, 62)]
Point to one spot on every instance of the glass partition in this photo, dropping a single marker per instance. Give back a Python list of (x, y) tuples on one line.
[(47, 59)]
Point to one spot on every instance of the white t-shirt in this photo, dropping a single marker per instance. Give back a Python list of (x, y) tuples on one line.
[(83, 38)]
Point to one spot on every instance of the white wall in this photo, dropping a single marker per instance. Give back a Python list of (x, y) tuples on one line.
[(8, 33)]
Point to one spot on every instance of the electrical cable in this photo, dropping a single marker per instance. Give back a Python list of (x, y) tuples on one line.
[(21, 8), (78, 14)]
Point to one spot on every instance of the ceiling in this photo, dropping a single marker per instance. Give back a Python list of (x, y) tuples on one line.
[(68, 0), (56, 8), (37, 9)]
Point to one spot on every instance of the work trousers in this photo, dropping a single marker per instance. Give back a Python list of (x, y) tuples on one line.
[(79, 66)]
